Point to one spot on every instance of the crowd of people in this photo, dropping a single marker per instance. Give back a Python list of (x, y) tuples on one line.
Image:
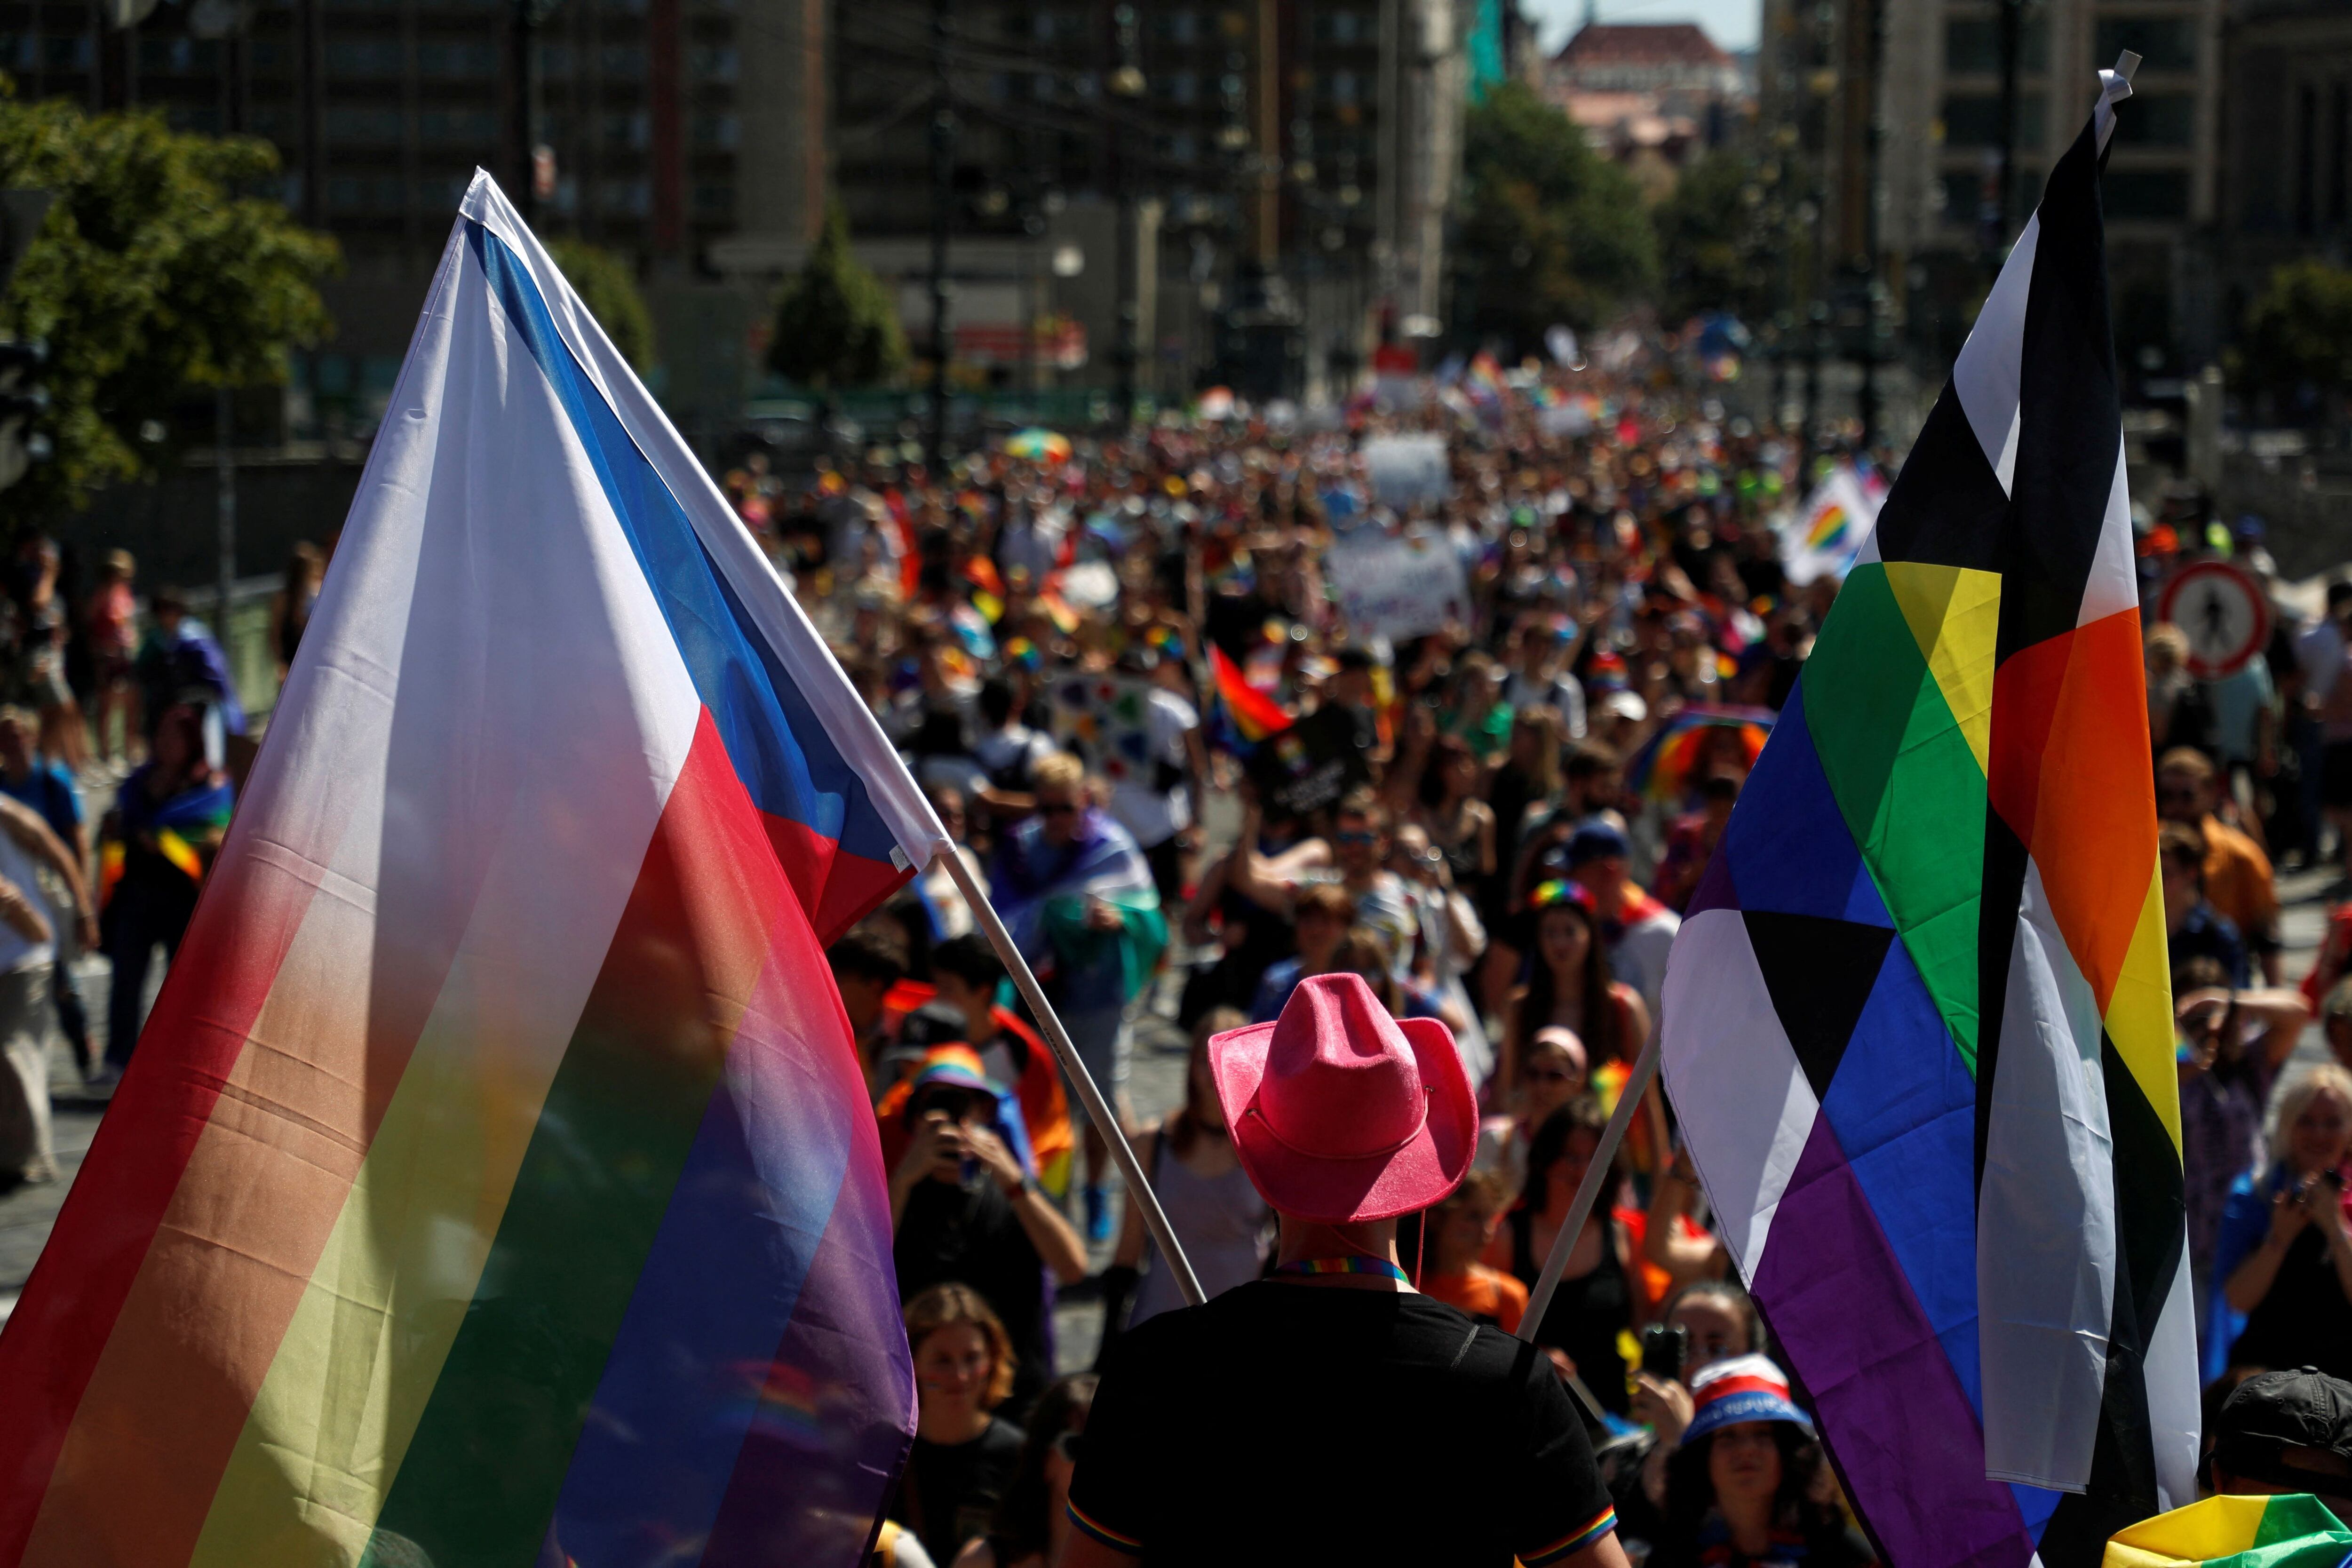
[(1492, 820)]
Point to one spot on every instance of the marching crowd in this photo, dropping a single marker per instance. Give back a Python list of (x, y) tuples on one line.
[(1492, 820), (1467, 740)]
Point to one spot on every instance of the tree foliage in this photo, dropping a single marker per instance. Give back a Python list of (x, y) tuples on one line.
[(1551, 231), (1717, 247), (608, 284), (156, 271), (2298, 333), (836, 324)]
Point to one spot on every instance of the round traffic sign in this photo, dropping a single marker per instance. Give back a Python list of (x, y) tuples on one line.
[(2222, 612)]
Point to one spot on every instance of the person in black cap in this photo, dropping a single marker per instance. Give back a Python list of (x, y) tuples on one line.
[(2283, 1432)]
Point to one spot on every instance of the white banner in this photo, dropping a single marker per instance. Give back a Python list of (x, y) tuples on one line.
[(1398, 589), (1407, 470)]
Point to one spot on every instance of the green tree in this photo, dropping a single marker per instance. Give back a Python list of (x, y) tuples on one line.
[(2298, 334), (608, 284), (157, 270), (1551, 231), (836, 325), (1716, 250)]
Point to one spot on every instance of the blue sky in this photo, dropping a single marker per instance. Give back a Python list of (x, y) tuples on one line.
[(1731, 23)]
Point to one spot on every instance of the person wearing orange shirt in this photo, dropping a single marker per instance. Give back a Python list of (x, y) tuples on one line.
[(2238, 880), (1456, 1230)]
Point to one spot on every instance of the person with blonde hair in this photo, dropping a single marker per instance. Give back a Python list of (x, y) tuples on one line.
[(2285, 1252), (964, 1455)]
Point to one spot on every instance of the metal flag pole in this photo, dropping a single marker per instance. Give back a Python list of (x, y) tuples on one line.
[(1155, 1218), (1588, 1193)]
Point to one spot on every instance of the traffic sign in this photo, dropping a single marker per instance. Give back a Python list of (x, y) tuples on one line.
[(2223, 613)]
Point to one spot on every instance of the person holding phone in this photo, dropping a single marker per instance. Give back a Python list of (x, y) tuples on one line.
[(966, 1208), (1332, 1413), (2285, 1253)]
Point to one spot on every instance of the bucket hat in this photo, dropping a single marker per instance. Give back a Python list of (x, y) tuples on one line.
[(1744, 1388), (1341, 1114)]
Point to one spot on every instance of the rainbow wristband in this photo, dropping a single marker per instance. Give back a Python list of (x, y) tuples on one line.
[(1381, 1265)]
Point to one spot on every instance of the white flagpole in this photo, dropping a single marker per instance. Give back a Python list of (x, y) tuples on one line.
[(1155, 1218), (1588, 1193)]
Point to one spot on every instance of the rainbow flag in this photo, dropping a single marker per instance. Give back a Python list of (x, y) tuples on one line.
[(1255, 715), (2293, 1531), (494, 1182), (1917, 1021)]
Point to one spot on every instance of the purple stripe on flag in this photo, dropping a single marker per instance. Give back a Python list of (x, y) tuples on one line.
[(794, 1499), (781, 1185), (1903, 1435)]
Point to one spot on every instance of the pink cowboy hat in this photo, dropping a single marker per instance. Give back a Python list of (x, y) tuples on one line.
[(1340, 1113)]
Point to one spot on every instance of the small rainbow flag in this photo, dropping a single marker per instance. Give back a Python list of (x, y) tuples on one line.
[(1255, 715), (2293, 1531)]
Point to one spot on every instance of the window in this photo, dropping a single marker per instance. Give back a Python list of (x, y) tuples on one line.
[(718, 131), (367, 56), (362, 123), (555, 61), (456, 61), (1339, 87), (2163, 43), (67, 54), (624, 198), (1344, 28), (713, 200), (471, 126), (1973, 120), (1177, 27), (1181, 86), (624, 62), (714, 62), (628, 129), (2146, 193), (1972, 43), (2157, 119)]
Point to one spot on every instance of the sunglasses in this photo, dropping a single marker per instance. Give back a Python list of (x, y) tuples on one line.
[(2188, 795), (1057, 808), (1357, 839), (1551, 1075), (1068, 1446)]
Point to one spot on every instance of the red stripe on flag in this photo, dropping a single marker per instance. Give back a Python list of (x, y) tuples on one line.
[(1254, 713), (836, 887), (214, 991)]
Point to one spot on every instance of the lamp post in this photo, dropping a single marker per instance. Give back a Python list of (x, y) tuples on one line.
[(1127, 85), (943, 135)]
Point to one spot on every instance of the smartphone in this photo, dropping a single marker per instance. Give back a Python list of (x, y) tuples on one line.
[(1664, 1350)]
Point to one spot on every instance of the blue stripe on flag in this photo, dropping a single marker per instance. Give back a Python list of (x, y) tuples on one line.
[(780, 748)]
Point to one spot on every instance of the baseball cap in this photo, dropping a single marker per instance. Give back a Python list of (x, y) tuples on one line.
[(1597, 841), (2290, 1429)]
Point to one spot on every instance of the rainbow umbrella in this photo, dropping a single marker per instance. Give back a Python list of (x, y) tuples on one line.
[(1038, 446), (1661, 770)]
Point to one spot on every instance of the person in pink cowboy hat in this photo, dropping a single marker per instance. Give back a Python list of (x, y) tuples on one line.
[(1332, 1413)]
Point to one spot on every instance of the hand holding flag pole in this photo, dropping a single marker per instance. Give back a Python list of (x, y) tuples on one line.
[(1049, 1023)]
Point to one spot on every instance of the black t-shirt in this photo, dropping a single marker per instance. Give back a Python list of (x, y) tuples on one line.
[(1283, 1423), (972, 1235), (951, 1489)]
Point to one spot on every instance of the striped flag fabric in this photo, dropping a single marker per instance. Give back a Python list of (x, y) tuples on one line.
[(2293, 1531), (1253, 714), (494, 1182), (1931, 948)]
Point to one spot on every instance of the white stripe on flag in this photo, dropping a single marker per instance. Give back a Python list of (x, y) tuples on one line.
[(2114, 583), (1986, 375), (848, 723), (2174, 1411), (1747, 1124), (2046, 1217)]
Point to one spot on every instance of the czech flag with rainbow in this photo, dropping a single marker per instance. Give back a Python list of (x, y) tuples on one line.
[(494, 1182)]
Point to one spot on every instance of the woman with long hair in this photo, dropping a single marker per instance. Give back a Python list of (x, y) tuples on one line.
[(1568, 984), (1593, 1305), (1748, 1485), (1033, 1526), (1226, 1226), (964, 1459), (1460, 826)]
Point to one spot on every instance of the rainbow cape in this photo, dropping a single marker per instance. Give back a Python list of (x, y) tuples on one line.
[(1917, 1021), (494, 1182), (2292, 1532), (1661, 770), (1252, 714)]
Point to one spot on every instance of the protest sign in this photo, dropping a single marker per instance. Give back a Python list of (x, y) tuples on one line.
[(1105, 720), (1398, 589), (1407, 470), (1310, 765)]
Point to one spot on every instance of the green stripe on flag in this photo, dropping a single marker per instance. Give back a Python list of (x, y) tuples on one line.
[(1907, 784)]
